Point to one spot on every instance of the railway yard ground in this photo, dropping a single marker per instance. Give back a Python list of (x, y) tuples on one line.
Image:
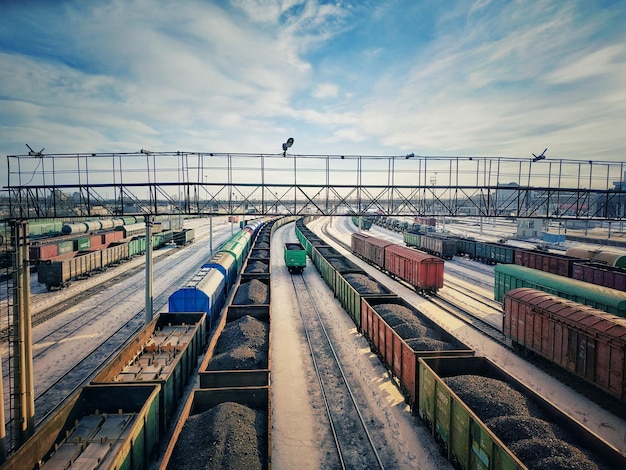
[(301, 433)]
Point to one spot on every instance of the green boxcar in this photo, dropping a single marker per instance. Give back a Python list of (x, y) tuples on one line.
[(465, 246), (495, 253), (412, 239), (467, 441), (365, 222), (83, 243), (512, 276), (351, 287), (295, 257), (66, 246)]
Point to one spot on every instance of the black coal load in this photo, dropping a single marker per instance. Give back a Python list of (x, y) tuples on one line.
[(257, 267), (411, 329), (260, 254), (252, 292), (229, 436), (518, 424), (365, 284), (242, 345)]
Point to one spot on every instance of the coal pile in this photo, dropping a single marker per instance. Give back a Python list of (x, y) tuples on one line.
[(429, 344), (513, 428), (365, 284), (487, 397), (242, 345), (257, 267), (328, 251), (229, 436), (341, 264), (394, 314), (260, 254), (252, 292), (518, 424), (411, 328), (262, 244), (551, 454)]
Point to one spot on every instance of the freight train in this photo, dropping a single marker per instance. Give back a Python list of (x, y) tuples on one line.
[(123, 418), (595, 267), (421, 271), (512, 276), (61, 261), (480, 415), (587, 342)]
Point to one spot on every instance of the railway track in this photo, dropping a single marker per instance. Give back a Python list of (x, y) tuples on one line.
[(351, 435)]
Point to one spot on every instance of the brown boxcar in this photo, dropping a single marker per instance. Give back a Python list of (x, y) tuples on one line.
[(398, 356), (424, 272), (600, 274), (549, 262), (587, 342), (371, 249)]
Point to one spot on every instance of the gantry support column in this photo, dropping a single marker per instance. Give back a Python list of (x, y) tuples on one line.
[(23, 386)]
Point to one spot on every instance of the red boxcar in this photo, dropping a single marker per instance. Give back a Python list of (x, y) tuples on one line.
[(587, 342), (400, 358), (424, 272), (600, 274), (549, 262), (47, 251), (369, 248)]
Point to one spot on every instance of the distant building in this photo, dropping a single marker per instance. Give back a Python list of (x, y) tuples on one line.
[(529, 228)]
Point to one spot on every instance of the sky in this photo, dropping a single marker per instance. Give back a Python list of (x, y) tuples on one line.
[(360, 77)]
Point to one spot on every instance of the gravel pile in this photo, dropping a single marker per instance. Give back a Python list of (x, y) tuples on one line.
[(257, 267), (516, 422), (229, 436), (252, 292), (365, 284), (242, 345)]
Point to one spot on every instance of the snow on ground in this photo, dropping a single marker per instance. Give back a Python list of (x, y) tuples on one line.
[(296, 419)]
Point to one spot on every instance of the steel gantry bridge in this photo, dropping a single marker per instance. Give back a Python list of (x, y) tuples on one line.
[(199, 183)]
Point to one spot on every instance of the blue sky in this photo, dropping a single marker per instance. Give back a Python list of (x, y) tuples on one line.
[(370, 77)]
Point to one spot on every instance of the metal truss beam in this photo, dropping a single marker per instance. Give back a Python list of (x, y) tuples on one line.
[(196, 184)]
